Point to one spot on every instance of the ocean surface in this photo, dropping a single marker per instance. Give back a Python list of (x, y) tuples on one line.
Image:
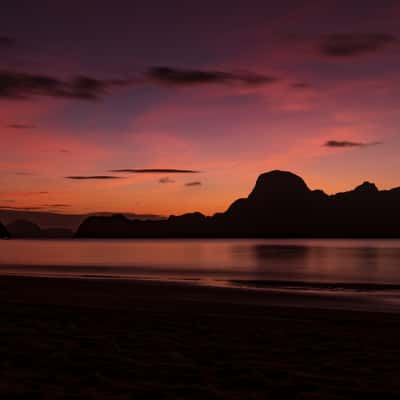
[(298, 263)]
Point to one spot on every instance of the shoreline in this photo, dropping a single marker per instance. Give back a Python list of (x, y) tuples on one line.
[(234, 291), (92, 339)]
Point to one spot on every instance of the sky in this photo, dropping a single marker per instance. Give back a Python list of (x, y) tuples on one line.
[(170, 107)]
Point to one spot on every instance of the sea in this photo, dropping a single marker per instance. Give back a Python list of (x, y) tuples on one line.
[(359, 266)]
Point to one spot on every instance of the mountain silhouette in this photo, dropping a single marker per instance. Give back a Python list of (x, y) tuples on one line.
[(27, 229), (3, 231), (280, 205), (278, 184)]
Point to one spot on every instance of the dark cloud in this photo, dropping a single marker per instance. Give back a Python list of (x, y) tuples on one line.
[(352, 44), (93, 177), (156, 171), (65, 151), (8, 201), (166, 180), (6, 41), (195, 183), (21, 126), (22, 85), (345, 143), (17, 85), (188, 77)]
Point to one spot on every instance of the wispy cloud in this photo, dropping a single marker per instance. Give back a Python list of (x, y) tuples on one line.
[(190, 77), (166, 180), (301, 85), (345, 143), (354, 44), (156, 171), (23, 173), (93, 177), (21, 126), (57, 205), (23, 194), (21, 208), (194, 183)]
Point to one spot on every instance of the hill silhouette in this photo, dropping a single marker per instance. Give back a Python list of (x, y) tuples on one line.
[(3, 231), (48, 220), (27, 229), (280, 205)]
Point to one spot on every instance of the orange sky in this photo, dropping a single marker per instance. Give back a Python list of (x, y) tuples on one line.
[(326, 76)]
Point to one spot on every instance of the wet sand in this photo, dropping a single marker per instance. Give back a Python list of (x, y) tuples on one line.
[(99, 339)]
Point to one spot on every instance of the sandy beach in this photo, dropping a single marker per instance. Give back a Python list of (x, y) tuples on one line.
[(100, 339)]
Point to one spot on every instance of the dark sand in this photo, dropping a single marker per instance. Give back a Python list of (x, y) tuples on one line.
[(72, 339)]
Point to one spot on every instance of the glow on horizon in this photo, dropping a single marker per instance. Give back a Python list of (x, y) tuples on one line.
[(229, 130)]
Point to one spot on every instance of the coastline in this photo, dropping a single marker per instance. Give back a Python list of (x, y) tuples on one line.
[(364, 297)]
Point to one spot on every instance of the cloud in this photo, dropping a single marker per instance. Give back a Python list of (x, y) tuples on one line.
[(352, 44), (56, 205), (23, 85), (23, 173), (156, 171), (17, 85), (21, 208), (65, 151), (166, 180), (191, 77), (21, 126), (194, 183), (93, 177), (24, 194), (7, 41), (345, 143), (32, 208)]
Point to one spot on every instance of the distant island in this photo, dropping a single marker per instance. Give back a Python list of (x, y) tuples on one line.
[(26, 229), (46, 219), (280, 205), (49, 225)]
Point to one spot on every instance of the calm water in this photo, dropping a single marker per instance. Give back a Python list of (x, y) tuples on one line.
[(310, 264)]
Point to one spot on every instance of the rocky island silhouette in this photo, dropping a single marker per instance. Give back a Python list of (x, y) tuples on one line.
[(280, 205)]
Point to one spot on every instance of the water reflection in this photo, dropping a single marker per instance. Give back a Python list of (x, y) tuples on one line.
[(270, 252), (368, 261), (319, 261)]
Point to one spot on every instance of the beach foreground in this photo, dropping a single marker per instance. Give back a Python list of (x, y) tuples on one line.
[(101, 339)]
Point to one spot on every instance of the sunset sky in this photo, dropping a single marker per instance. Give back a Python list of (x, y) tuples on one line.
[(176, 106)]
